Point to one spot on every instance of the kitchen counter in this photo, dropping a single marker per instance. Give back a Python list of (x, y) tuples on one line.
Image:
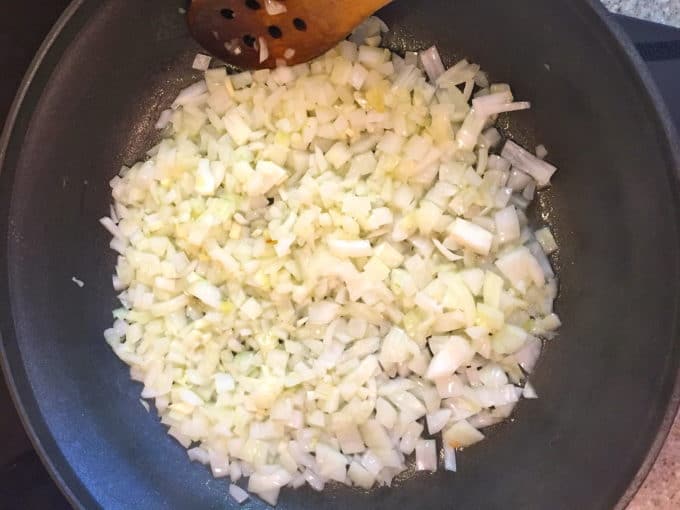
[(661, 490), (661, 11)]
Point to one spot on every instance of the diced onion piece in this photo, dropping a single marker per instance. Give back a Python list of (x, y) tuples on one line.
[(354, 248), (449, 458), (323, 312), (267, 175), (492, 138), (448, 254), (360, 476), (350, 439), (546, 240), (201, 62), (541, 152), (472, 236), (529, 391), (437, 421), (264, 49), (542, 259), (509, 339), (432, 63), (205, 180), (426, 455), (468, 134), (495, 103), (271, 496), (190, 93), (206, 292), (453, 354), (521, 269), (523, 160), (410, 437), (164, 119), (113, 229), (518, 180), (273, 7), (529, 191), (332, 463), (461, 434), (237, 493), (528, 354), (507, 224)]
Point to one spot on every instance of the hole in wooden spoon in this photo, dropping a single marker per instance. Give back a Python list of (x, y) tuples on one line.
[(300, 24), (253, 4), (275, 32), (249, 40), (227, 13)]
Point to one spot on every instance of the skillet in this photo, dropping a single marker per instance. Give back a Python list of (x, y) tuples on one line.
[(608, 383)]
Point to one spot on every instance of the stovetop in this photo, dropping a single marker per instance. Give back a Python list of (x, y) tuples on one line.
[(24, 483)]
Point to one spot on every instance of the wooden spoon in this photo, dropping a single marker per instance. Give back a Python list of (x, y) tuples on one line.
[(243, 33)]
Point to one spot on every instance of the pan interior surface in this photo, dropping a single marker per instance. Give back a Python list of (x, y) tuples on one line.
[(605, 383)]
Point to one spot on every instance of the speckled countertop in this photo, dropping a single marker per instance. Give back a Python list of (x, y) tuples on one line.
[(661, 11), (661, 490)]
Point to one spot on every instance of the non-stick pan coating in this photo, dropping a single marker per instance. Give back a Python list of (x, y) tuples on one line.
[(606, 384)]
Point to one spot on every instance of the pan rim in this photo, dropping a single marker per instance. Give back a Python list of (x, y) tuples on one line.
[(623, 49), (8, 372), (643, 76)]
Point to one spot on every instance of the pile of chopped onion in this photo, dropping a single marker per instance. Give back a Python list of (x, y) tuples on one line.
[(322, 266)]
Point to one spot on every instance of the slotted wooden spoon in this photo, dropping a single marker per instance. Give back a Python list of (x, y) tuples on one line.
[(243, 33)]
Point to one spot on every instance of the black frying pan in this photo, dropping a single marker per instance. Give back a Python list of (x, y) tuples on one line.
[(608, 384)]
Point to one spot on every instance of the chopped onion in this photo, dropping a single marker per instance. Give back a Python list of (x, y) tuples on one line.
[(529, 391), (432, 63), (164, 119), (355, 248), (360, 476), (521, 269), (545, 238), (437, 421), (370, 27), (472, 236), (501, 102), (527, 356), (449, 458), (461, 434), (264, 49), (518, 180), (452, 355), (314, 258), (542, 259), (190, 94), (273, 7), (492, 137), (448, 254), (507, 224), (237, 493), (201, 62), (541, 152), (323, 312), (523, 160), (426, 455), (529, 191)]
